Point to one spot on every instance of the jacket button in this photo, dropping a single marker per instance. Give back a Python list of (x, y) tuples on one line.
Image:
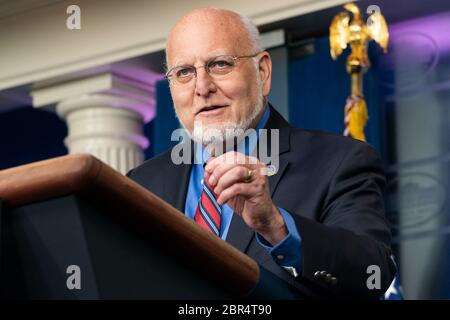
[(330, 279), (317, 275), (333, 280), (323, 274)]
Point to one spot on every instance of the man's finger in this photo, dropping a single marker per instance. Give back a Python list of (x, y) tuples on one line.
[(220, 168), (230, 158), (238, 189), (232, 176)]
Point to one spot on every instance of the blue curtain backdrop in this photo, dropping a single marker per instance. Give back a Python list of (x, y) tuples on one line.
[(164, 123), (319, 87), (28, 135)]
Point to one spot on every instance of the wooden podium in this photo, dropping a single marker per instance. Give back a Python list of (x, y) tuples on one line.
[(76, 212)]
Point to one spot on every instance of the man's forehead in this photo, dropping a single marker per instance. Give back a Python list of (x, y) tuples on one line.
[(220, 17), (190, 58), (204, 50), (207, 34), (200, 37)]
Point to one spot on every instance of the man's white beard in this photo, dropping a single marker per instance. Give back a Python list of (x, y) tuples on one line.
[(222, 135)]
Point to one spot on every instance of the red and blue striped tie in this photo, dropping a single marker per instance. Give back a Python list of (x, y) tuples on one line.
[(208, 214)]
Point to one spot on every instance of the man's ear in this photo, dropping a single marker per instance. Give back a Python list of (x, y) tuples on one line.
[(265, 72)]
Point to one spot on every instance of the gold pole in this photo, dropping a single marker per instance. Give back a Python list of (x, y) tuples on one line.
[(356, 84), (354, 32)]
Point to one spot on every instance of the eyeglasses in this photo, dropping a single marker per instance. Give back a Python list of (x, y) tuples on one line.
[(215, 67)]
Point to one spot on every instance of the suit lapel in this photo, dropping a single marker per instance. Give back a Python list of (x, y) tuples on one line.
[(239, 234), (177, 196), (177, 174), (273, 180)]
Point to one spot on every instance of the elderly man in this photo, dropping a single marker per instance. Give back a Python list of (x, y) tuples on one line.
[(319, 219)]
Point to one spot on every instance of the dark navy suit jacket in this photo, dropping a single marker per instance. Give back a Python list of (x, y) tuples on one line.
[(332, 186)]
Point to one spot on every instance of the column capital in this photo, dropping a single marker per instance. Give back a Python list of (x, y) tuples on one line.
[(105, 113), (140, 107), (110, 88)]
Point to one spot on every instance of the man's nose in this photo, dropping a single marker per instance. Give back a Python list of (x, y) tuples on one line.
[(204, 83)]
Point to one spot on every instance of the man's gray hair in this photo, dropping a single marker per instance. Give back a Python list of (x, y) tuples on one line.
[(253, 32)]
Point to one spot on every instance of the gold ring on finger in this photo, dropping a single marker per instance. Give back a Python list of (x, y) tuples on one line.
[(249, 175)]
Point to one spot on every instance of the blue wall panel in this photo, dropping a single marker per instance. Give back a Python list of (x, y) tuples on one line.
[(28, 135), (319, 87), (161, 128)]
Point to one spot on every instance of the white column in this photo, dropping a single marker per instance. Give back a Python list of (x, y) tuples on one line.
[(105, 115), (107, 127)]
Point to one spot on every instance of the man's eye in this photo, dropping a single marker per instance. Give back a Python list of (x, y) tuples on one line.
[(220, 64), (184, 72)]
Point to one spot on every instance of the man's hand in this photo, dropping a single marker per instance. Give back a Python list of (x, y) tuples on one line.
[(241, 182)]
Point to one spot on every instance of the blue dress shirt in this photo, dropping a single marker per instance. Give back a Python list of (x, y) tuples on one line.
[(287, 253)]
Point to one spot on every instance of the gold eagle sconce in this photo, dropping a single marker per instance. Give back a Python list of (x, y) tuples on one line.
[(345, 30)]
